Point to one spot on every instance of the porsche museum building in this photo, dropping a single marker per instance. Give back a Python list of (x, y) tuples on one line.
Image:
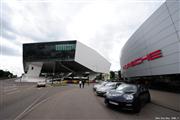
[(152, 53), (62, 58)]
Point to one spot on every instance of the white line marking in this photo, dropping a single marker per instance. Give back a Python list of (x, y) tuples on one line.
[(28, 88), (9, 86), (32, 106), (12, 92), (29, 107), (10, 89)]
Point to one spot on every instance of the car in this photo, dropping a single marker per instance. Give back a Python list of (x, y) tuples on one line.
[(41, 84), (101, 91), (99, 85), (128, 96)]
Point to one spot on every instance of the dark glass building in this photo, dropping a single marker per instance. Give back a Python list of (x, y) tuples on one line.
[(62, 57), (54, 51)]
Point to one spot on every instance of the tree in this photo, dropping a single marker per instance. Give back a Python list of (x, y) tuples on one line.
[(119, 74), (112, 75), (5, 74), (99, 77)]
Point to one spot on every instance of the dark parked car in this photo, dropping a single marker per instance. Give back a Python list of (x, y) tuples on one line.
[(128, 96)]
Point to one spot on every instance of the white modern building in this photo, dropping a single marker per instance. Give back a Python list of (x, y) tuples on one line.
[(154, 49), (152, 55), (62, 58)]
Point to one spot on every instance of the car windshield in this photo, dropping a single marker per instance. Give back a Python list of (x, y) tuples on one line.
[(110, 84), (103, 84), (127, 88)]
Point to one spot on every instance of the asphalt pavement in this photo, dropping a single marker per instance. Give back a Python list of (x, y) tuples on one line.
[(83, 104), (71, 103), (20, 97)]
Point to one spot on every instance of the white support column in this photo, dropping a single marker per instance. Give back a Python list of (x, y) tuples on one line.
[(33, 72)]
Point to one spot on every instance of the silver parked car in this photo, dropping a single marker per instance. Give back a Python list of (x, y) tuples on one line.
[(101, 91), (99, 85)]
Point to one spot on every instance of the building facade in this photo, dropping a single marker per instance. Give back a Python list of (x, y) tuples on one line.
[(154, 49), (152, 55), (62, 57)]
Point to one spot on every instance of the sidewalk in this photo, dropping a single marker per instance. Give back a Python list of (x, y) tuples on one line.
[(166, 99)]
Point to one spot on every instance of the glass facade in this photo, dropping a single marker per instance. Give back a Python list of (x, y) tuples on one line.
[(59, 51), (65, 47)]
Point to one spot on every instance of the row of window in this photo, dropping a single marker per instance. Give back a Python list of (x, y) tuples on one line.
[(65, 47)]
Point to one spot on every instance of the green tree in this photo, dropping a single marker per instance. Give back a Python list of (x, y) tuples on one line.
[(112, 75), (5, 74), (99, 77), (119, 74)]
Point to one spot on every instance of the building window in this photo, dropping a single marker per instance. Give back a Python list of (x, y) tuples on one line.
[(65, 47)]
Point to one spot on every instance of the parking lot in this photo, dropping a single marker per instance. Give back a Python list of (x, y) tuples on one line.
[(71, 102)]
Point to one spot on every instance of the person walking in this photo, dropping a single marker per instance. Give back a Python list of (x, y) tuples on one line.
[(80, 83), (88, 81), (83, 82)]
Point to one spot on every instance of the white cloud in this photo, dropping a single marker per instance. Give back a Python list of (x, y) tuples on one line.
[(9, 48), (103, 23), (109, 24), (12, 64)]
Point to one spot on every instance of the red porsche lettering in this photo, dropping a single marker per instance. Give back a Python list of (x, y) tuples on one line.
[(149, 57)]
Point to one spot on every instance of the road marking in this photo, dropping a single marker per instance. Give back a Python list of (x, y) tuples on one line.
[(10, 86), (29, 107), (34, 105), (28, 87), (10, 89), (12, 92)]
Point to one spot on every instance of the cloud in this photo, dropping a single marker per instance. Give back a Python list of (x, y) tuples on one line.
[(12, 64), (101, 24), (10, 48), (109, 24), (8, 35)]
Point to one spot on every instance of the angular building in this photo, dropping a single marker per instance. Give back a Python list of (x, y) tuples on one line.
[(152, 55), (63, 58), (154, 49)]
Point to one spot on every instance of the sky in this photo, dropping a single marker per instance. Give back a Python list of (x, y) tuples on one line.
[(103, 25)]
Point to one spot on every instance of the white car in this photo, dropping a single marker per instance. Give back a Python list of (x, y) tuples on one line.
[(96, 86), (41, 84), (101, 91)]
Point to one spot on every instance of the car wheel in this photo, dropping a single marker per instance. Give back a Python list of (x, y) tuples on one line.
[(149, 98), (106, 102), (137, 107)]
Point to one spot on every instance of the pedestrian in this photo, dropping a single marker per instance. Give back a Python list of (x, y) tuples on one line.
[(88, 82), (83, 82), (80, 83)]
